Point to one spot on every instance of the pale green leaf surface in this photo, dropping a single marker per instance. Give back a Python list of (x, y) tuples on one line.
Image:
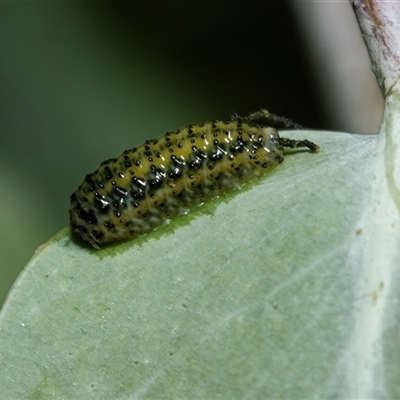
[(252, 295)]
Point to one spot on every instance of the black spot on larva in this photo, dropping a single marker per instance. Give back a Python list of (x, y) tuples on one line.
[(88, 216), (138, 188), (264, 165), (97, 234), (156, 178), (158, 154), (120, 191), (137, 163), (238, 145), (180, 145), (119, 204), (256, 146), (101, 203), (195, 160), (147, 148), (216, 153), (176, 168), (148, 153), (120, 175)]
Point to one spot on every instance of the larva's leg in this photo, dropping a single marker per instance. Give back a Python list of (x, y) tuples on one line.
[(287, 123), (294, 144), (255, 116), (267, 116)]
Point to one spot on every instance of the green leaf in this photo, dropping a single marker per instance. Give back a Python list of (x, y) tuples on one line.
[(256, 294)]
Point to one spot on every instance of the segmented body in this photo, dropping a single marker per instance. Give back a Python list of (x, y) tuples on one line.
[(140, 190)]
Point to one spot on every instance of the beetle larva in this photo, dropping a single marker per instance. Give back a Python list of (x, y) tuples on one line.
[(138, 191)]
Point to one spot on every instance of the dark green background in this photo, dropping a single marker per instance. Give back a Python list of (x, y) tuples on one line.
[(81, 82)]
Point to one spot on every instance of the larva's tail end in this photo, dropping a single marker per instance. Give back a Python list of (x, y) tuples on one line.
[(295, 144)]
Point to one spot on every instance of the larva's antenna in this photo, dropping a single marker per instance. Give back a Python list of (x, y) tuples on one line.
[(295, 144), (267, 116)]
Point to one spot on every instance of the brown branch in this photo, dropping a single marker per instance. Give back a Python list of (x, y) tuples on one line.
[(380, 26)]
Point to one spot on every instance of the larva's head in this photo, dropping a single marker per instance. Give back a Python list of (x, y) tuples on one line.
[(272, 140)]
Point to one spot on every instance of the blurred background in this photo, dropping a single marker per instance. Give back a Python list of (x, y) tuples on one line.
[(81, 82)]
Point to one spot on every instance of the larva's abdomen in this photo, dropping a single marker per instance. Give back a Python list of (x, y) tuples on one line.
[(140, 190)]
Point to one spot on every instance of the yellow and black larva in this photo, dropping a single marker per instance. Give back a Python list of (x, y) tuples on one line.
[(146, 186)]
